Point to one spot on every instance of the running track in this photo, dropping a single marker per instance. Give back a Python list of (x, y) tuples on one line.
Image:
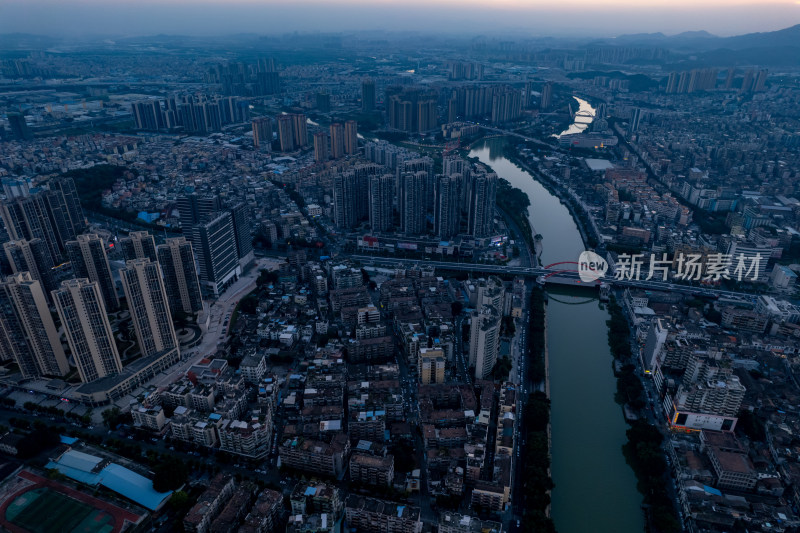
[(120, 515)]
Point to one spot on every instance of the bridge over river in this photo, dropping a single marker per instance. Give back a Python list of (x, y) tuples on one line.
[(562, 273)]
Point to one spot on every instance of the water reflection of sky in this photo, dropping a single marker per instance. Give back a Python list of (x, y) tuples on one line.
[(580, 123), (573, 301)]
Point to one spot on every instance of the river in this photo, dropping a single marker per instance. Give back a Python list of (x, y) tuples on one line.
[(581, 121), (595, 489)]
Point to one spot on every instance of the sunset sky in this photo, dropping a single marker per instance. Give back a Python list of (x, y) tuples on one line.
[(534, 17)]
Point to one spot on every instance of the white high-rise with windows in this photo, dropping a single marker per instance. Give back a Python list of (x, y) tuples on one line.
[(147, 302), (80, 306), (180, 275), (482, 204), (484, 344), (87, 253), (381, 196), (27, 331)]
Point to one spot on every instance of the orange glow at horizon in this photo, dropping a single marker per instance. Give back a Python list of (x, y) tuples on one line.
[(547, 5), (597, 18)]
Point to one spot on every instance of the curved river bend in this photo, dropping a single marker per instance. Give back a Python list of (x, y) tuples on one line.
[(595, 490)]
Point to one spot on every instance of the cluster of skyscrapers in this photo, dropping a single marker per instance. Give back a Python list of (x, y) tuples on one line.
[(411, 110), (262, 133), (293, 135), (190, 114), (751, 82), (28, 331), (51, 213), (220, 237), (177, 261), (258, 79), (44, 244), (461, 200), (343, 140), (501, 102), (463, 70), (292, 131), (691, 81)]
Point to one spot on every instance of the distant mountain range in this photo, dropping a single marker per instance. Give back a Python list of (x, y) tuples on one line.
[(702, 40), (775, 48)]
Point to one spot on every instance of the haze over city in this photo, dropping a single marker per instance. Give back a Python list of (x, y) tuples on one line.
[(399, 266), (538, 18)]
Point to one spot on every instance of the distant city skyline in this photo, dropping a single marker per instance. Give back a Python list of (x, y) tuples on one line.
[(534, 17)]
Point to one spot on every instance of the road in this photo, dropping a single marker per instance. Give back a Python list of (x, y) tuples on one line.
[(655, 416), (526, 257), (215, 329), (518, 135), (411, 405), (524, 387), (541, 271), (154, 444)]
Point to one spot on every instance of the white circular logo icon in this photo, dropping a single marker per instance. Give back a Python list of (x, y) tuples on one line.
[(591, 267)]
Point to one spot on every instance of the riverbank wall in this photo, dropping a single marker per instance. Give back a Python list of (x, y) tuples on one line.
[(589, 234), (548, 511), (658, 504)]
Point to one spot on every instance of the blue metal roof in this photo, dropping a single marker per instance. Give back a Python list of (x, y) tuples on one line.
[(115, 477), (84, 477), (133, 486)]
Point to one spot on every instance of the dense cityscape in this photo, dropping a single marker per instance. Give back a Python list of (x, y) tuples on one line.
[(392, 283)]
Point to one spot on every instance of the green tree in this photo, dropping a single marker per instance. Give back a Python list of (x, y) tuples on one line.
[(266, 277), (249, 304), (751, 426), (111, 417), (37, 441), (179, 500), (169, 475)]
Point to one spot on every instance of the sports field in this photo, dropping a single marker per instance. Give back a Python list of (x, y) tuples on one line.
[(44, 510)]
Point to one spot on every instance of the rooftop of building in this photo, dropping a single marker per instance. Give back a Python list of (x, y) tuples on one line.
[(732, 461), (374, 505), (469, 523)]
